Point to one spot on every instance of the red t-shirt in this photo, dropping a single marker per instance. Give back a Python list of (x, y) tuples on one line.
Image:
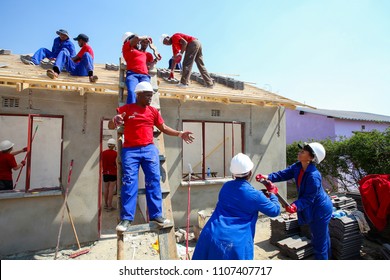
[(300, 177), (7, 162), (135, 59), (176, 47), (109, 162), (149, 57), (84, 49), (139, 124)]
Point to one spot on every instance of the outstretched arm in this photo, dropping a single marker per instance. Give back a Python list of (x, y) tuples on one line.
[(185, 135)]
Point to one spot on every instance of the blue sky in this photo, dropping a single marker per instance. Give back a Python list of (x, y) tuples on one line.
[(331, 54)]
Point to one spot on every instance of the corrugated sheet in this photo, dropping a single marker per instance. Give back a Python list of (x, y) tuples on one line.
[(347, 115)]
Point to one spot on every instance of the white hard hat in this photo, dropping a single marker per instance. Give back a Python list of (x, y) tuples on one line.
[(111, 141), (316, 149), (126, 35), (6, 145), (143, 86), (241, 165), (163, 36)]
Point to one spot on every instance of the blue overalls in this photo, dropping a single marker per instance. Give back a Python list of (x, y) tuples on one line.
[(81, 68), (313, 204), (132, 80), (230, 231), (148, 158), (58, 45)]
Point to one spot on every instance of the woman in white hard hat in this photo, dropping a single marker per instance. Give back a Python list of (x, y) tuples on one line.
[(229, 233), (313, 205), (109, 173), (8, 163)]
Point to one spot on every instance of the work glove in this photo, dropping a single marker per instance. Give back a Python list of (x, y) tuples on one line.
[(23, 162), (271, 188), (171, 76), (291, 209), (260, 177), (118, 119), (25, 149)]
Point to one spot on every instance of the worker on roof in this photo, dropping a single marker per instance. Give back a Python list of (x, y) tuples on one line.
[(8, 163), (138, 62), (230, 231), (313, 206), (79, 65), (61, 42), (191, 46), (138, 150), (109, 173)]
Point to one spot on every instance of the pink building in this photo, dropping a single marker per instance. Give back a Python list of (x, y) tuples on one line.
[(304, 124)]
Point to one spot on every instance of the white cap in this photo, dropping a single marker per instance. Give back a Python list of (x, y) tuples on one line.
[(126, 35), (111, 141), (143, 86), (163, 36), (6, 145), (241, 165)]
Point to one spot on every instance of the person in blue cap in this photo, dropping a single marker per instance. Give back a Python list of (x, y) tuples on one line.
[(313, 206), (79, 65), (230, 231), (61, 42)]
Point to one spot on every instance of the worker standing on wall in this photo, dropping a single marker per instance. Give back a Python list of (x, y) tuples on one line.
[(230, 231), (138, 150), (8, 163), (137, 61), (109, 173), (191, 46), (313, 205)]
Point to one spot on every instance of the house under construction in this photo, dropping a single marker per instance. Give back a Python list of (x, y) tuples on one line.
[(66, 119)]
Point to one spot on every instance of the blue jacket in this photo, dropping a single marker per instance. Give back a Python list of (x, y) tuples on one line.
[(229, 233), (313, 203), (58, 45)]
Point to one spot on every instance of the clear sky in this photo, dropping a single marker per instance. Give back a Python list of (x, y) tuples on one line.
[(331, 54)]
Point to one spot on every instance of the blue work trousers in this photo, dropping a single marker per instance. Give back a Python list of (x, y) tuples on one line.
[(132, 80), (321, 238), (41, 54), (132, 158), (74, 68)]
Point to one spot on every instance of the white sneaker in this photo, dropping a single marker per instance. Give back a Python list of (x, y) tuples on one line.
[(180, 85), (123, 225), (161, 221)]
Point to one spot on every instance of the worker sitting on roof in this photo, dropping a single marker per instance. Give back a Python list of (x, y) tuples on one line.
[(193, 52), (79, 65), (137, 61), (177, 66), (230, 231), (138, 150), (61, 42), (8, 163)]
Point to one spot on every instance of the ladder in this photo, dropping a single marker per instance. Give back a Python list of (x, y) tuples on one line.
[(166, 234)]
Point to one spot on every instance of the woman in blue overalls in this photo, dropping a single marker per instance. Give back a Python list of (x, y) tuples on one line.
[(229, 233), (313, 205)]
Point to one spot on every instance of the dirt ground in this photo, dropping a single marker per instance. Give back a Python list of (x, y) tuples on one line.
[(140, 247)]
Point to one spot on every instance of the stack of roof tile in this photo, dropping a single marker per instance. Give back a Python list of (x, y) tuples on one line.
[(282, 227), (358, 199), (346, 238), (296, 247), (344, 203), (386, 251)]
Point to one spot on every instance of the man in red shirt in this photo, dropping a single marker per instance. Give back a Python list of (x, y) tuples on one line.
[(80, 65), (193, 52), (138, 150), (8, 163), (109, 173), (137, 60)]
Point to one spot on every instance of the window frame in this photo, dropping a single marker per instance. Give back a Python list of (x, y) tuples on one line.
[(203, 146), (30, 132)]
